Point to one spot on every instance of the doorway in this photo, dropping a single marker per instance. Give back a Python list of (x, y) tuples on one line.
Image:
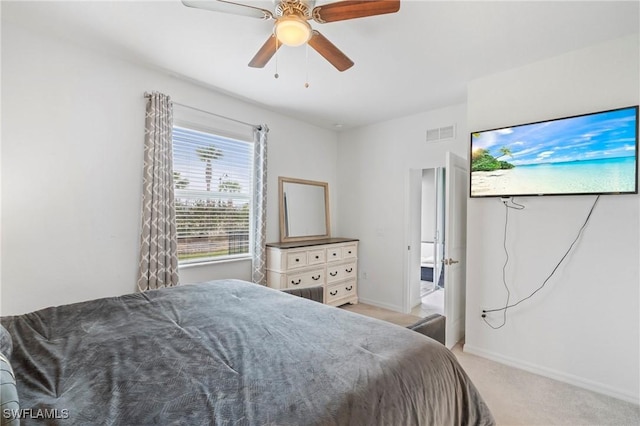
[(431, 291), (449, 239)]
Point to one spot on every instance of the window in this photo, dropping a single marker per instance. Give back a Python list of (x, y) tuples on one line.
[(212, 177)]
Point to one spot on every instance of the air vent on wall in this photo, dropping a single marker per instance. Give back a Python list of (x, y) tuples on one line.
[(441, 133)]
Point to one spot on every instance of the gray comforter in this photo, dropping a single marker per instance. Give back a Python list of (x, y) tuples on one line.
[(233, 353)]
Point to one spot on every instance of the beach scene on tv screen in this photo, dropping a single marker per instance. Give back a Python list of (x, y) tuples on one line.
[(593, 153)]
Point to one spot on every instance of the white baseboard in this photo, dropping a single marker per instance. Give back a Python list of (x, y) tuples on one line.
[(554, 374), (380, 304)]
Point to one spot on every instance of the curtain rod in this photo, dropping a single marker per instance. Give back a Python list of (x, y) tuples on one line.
[(254, 126)]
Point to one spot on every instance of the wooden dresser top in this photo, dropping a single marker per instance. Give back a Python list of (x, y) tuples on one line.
[(309, 243)]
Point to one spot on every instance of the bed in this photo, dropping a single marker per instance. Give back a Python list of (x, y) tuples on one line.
[(231, 352)]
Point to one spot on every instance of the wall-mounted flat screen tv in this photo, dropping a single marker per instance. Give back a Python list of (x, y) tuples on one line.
[(594, 153)]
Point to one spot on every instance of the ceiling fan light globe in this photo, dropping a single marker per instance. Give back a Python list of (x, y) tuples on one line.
[(292, 31)]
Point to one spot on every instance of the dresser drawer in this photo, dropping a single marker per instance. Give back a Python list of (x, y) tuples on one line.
[(334, 254), (316, 257), (350, 251), (297, 259), (341, 272), (340, 291), (306, 279)]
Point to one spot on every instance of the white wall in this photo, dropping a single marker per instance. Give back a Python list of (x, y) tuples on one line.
[(72, 133), (583, 327), (373, 172)]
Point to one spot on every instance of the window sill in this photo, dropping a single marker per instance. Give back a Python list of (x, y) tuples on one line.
[(210, 262)]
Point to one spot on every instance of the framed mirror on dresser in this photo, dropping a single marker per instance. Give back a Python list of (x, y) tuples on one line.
[(307, 255), (304, 209)]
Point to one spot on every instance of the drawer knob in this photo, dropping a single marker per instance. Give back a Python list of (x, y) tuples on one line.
[(296, 282), (297, 260), (349, 270), (333, 274), (349, 288), (333, 293), (335, 254), (317, 257), (349, 252), (316, 278)]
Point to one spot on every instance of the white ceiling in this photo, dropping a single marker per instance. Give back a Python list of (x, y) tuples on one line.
[(418, 59)]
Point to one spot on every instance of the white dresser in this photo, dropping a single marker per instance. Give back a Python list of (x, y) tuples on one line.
[(331, 263)]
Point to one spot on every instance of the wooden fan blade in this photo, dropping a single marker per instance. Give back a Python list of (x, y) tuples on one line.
[(329, 51), (265, 53), (344, 10), (229, 7)]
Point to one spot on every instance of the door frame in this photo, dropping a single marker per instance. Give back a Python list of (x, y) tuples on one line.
[(413, 226), (412, 229)]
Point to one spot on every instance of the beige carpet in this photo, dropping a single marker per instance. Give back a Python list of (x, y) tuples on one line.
[(517, 397)]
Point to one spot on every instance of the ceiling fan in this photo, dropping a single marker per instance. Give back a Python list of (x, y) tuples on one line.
[(291, 27)]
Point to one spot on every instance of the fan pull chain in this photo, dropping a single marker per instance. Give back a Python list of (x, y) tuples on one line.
[(276, 75), (306, 64)]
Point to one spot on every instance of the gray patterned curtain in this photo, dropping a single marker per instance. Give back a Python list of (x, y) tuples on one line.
[(258, 274), (158, 263)]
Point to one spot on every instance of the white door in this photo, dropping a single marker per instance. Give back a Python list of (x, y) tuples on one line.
[(455, 247)]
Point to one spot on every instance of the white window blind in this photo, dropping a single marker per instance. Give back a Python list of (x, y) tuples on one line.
[(213, 194)]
